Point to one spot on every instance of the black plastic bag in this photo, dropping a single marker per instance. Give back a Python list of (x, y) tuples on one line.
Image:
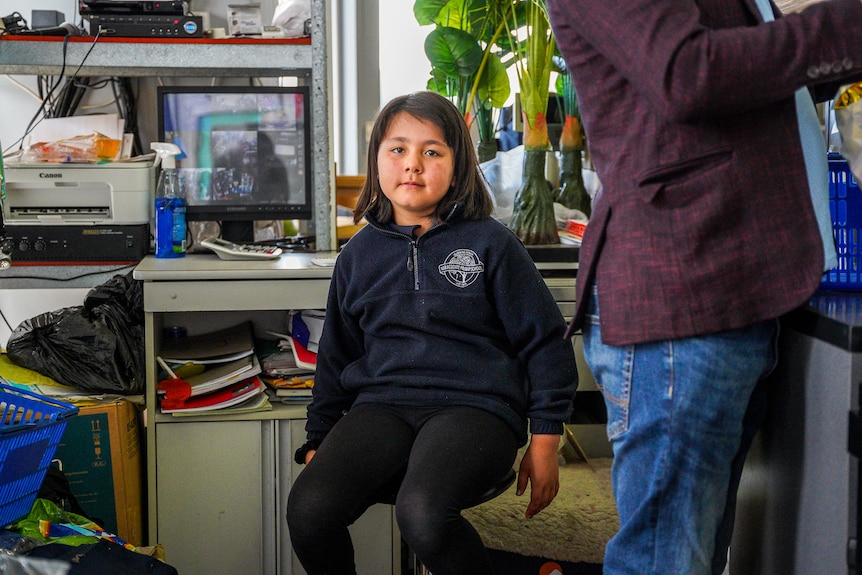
[(97, 347), (103, 558)]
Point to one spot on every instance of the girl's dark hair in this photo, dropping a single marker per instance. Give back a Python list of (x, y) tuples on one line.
[(468, 191)]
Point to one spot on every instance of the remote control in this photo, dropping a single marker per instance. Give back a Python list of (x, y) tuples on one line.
[(230, 251)]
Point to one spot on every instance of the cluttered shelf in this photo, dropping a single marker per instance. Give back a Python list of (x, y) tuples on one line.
[(232, 375), (155, 56), (242, 40), (278, 411)]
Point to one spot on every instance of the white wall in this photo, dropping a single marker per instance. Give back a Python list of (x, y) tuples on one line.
[(382, 40), (403, 65)]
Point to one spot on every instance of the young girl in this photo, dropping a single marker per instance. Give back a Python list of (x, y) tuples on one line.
[(441, 341)]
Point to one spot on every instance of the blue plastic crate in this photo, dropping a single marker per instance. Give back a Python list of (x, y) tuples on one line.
[(845, 204), (31, 427)]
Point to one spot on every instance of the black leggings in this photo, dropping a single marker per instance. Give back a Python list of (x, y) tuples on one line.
[(443, 458)]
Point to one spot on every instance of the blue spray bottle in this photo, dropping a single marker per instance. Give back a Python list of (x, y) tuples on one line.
[(170, 205)]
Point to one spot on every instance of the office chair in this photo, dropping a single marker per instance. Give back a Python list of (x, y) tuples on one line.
[(388, 498)]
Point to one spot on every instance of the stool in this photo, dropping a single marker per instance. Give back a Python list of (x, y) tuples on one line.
[(388, 498)]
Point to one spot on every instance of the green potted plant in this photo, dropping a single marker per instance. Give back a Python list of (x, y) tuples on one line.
[(533, 212), (466, 64), (572, 193)]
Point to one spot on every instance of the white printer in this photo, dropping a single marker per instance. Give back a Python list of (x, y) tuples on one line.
[(118, 193), (78, 212)]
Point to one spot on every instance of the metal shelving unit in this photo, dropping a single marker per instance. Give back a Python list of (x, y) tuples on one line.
[(265, 58), (133, 57)]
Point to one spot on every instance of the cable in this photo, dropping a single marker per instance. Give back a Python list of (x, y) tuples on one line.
[(44, 110), (130, 113), (24, 87), (13, 24), (41, 112), (71, 278), (6, 320)]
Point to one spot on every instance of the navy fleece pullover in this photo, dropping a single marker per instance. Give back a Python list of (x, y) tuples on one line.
[(458, 316)]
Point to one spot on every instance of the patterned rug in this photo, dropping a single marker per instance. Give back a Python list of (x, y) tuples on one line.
[(574, 528)]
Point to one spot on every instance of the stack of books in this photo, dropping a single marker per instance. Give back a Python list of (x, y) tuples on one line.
[(289, 364), (216, 371)]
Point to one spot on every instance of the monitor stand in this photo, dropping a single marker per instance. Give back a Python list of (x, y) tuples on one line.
[(238, 231)]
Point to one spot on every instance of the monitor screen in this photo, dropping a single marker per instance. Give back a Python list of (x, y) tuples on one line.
[(245, 153)]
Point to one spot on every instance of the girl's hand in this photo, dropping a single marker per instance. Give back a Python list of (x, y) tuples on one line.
[(541, 468)]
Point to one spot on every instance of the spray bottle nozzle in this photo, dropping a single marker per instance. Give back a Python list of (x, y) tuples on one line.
[(167, 154)]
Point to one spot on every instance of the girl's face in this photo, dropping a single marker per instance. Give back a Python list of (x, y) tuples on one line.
[(415, 168)]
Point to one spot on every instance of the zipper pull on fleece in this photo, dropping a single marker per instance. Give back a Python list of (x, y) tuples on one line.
[(409, 262)]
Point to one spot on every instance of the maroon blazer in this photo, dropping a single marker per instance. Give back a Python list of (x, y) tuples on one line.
[(705, 221)]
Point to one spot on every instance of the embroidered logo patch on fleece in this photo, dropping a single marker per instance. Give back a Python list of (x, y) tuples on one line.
[(462, 267)]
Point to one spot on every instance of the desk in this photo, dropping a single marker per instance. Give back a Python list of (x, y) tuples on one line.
[(218, 485), (797, 500)]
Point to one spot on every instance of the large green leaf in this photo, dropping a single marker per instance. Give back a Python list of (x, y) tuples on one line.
[(427, 11), (566, 89), (494, 85), (447, 13), (453, 51)]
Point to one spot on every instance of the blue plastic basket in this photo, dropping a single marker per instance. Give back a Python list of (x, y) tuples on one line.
[(845, 204), (31, 427)]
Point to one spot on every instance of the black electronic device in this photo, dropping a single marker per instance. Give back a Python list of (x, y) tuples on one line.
[(146, 26), (64, 29), (246, 153), (171, 7), (42, 244), (46, 19)]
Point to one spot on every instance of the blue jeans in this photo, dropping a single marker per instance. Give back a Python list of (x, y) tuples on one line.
[(681, 418)]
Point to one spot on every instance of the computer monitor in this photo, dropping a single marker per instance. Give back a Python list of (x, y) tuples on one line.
[(246, 153)]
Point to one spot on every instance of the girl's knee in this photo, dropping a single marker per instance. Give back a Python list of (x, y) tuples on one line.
[(308, 510), (423, 524)]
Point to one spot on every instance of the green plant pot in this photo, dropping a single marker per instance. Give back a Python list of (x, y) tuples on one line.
[(533, 213), (572, 193), (486, 151)]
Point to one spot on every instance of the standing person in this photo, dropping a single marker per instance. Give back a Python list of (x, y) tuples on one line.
[(697, 114), (441, 341)]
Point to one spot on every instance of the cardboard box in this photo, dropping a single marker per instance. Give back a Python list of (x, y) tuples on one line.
[(100, 454), (244, 20)]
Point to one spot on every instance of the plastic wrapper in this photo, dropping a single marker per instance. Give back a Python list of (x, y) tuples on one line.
[(67, 539), (97, 347), (503, 175), (91, 148), (848, 117), (48, 522), (14, 565), (293, 16)]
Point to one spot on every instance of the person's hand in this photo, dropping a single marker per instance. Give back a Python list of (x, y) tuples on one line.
[(541, 468), (309, 455)]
